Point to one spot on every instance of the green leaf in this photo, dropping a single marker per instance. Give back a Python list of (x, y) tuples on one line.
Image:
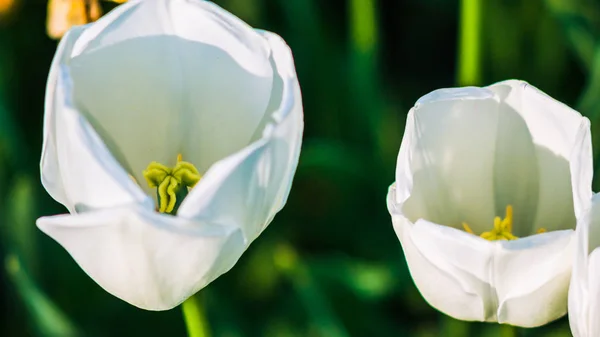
[(21, 215), (322, 318), (47, 318), (578, 19), (367, 280)]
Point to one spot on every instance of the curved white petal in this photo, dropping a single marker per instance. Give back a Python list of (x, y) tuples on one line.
[(150, 260), (441, 176), (443, 288), (50, 171), (531, 277), (552, 124), (584, 290), (516, 172), (248, 188), (77, 168), (289, 128), (582, 169), (593, 299), (562, 137), (522, 282), (449, 288), (578, 289)]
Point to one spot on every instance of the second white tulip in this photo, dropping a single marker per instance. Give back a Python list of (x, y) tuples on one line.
[(489, 183)]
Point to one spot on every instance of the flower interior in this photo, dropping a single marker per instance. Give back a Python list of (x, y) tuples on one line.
[(502, 228), (496, 163)]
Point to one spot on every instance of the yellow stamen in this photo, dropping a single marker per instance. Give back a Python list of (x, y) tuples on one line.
[(502, 228), (508, 220), (171, 182), (467, 228)]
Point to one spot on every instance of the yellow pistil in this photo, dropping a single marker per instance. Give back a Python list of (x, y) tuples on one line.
[(171, 183), (502, 228)]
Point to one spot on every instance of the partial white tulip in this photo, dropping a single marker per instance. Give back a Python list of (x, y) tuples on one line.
[(489, 183), (152, 80), (584, 291)]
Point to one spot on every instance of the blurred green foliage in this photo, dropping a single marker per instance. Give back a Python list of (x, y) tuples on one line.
[(330, 264)]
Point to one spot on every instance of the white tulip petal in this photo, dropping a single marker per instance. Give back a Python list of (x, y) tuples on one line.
[(555, 209), (584, 291), (576, 308), (545, 304), (449, 247), (462, 257), (593, 298), (462, 294), (582, 168), (257, 180), (49, 161), (531, 277), (578, 293), (194, 20), (289, 128), (234, 191), (515, 171), (558, 131), (552, 124), (73, 153), (489, 281), (451, 181), (150, 260), (454, 300)]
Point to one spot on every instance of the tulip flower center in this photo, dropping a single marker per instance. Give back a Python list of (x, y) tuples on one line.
[(171, 183), (502, 228)]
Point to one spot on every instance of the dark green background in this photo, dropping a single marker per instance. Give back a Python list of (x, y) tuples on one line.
[(330, 264)]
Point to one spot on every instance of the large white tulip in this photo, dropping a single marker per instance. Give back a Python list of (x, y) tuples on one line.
[(151, 81), (489, 182), (584, 292)]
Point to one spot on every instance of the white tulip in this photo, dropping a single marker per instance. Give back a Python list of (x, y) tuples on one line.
[(152, 80), (584, 291), (472, 154)]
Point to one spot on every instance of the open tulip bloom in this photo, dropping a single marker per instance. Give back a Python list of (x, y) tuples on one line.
[(172, 133), (489, 183), (584, 291)]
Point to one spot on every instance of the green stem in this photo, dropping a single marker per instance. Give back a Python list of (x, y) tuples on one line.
[(508, 331), (469, 58), (194, 317), (363, 22)]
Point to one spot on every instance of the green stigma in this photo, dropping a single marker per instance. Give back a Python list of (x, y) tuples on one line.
[(171, 183)]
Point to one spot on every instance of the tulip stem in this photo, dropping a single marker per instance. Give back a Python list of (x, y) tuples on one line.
[(469, 57), (508, 331), (194, 317)]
